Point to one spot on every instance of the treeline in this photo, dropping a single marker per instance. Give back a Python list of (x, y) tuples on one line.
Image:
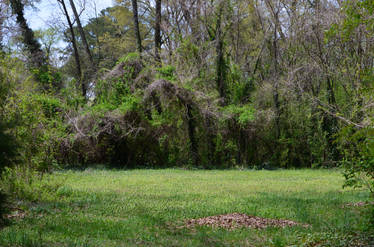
[(186, 83)]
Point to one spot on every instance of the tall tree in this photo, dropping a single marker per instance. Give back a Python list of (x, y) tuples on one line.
[(75, 48), (275, 56), (158, 32), (220, 59), (81, 32), (136, 25), (37, 56), (2, 19)]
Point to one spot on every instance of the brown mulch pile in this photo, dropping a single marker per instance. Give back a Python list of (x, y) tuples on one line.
[(237, 220)]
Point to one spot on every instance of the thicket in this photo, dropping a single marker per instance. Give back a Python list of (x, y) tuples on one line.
[(7, 153), (266, 85), (7, 145)]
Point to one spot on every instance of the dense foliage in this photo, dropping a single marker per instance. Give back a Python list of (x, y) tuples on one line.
[(7, 146), (223, 84)]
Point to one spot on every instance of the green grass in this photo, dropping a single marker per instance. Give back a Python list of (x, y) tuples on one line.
[(143, 208)]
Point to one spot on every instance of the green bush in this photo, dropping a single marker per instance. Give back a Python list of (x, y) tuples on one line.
[(26, 183), (167, 72), (358, 149), (38, 128)]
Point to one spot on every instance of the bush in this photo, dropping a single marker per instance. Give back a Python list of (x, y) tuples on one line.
[(38, 128), (24, 183), (7, 142), (358, 149)]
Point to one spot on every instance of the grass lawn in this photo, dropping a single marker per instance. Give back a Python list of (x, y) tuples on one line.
[(144, 208)]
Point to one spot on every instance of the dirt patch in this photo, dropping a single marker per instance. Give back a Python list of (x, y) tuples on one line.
[(358, 204), (16, 214), (237, 220)]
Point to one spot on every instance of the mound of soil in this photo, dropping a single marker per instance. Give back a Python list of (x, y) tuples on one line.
[(237, 220)]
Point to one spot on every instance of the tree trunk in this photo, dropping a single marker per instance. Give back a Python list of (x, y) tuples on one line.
[(330, 123), (275, 86), (37, 56), (75, 48), (2, 19), (210, 140), (136, 26), (81, 32), (274, 10), (158, 32), (220, 60), (191, 134)]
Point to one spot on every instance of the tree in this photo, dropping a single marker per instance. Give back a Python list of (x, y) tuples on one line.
[(75, 48), (49, 39), (221, 69), (37, 56), (2, 20), (355, 140), (82, 33), (136, 25), (110, 35), (158, 32)]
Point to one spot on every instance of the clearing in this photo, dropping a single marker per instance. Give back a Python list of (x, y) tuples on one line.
[(152, 208)]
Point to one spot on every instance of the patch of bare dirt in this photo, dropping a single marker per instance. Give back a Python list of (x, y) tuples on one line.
[(16, 214), (358, 204), (237, 220)]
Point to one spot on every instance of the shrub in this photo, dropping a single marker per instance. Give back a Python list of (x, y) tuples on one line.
[(358, 149), (167, 72), (7, 142)]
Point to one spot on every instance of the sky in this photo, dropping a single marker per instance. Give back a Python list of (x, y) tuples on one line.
[(46, 10)]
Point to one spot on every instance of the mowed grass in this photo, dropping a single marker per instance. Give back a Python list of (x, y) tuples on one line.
[(145, 208)]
